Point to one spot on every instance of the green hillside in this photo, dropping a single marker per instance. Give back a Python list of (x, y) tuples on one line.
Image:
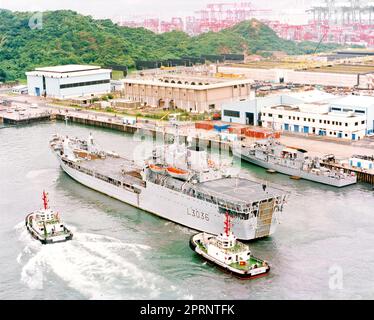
[(68, 37)]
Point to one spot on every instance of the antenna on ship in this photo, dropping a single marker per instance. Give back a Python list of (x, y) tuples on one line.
[(45, 200), (227, 224)]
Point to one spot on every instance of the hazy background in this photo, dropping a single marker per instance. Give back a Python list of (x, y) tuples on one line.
[(285, 10)]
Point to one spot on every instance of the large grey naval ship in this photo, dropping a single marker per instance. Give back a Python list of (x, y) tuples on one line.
[(177, 182), (273, 155)]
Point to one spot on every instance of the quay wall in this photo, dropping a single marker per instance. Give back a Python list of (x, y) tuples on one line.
[(215, 144), (25, 120)]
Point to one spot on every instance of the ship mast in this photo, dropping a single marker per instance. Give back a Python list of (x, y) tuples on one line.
[(45, 200), (227, 224)]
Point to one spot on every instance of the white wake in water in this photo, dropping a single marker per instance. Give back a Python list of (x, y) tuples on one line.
[(99, 267), (34, 174)]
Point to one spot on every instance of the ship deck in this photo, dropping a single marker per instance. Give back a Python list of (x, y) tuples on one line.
[(238, 189), (112, 167)]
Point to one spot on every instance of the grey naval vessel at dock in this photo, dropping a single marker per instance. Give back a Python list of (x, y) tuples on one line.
[(273, 155), (177, 182)]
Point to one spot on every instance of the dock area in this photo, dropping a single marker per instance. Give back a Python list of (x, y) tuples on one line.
[(24, 116), (362, 175), (164, 131), (159, 130)]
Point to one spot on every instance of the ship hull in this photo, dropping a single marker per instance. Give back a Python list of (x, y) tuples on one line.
[(297, 173), (172, 205)]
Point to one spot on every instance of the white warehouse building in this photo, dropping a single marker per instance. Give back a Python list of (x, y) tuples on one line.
[(248, 111), (316, 119), (324, 106), (69, 81)]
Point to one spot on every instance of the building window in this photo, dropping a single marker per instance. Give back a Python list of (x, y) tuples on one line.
[(280, 116), (305, 119), (356, 123), (346, 124), (83, 84), (270, 114), (363, 122), (313, 120), (231, 113), (360, 111), (298, 118), (289, 117), (320, 121)]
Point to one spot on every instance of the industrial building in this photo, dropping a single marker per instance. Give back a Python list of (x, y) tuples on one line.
[(249, 111), (69, 81), (359, 75), (361, 105), (340, 113), (314, 119), (187, 89)]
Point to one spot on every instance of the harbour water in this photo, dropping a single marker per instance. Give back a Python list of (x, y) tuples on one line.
[(323, 249)]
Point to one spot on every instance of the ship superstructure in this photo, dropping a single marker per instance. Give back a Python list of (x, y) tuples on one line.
[(179, 183), (273, 155)]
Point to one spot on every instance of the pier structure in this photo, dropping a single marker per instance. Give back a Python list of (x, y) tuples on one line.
[(145, 128), (25, 118)]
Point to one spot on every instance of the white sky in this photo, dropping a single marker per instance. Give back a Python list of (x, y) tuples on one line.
[(115, 9)]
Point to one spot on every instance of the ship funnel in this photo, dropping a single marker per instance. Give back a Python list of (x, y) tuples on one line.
[(197, 157)]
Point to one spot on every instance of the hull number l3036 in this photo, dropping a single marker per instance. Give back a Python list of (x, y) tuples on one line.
[(197, 214)]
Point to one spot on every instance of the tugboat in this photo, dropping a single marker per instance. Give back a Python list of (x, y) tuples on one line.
[(46, 226), (228, 253)]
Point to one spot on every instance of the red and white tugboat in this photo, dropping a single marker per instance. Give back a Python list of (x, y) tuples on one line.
[(228, 253), (46, 226)]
